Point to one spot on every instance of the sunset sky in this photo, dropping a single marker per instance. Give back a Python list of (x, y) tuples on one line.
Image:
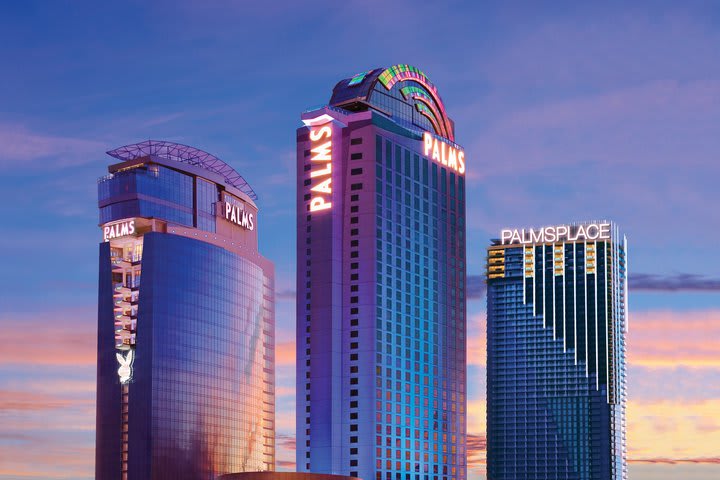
[(566, 112)]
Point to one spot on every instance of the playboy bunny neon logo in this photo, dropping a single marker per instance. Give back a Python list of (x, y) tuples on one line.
[(125, 370)]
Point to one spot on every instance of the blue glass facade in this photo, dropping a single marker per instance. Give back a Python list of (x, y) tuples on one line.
[(197, 331), (152, 191), (556, 360), (381, 385)]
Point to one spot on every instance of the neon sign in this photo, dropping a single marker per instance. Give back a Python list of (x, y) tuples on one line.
[(560, 233), (444, 153), (120, 229), (125, 370), (321, 155), (239, 216)]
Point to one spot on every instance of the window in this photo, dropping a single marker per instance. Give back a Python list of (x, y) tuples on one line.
[(354, 198), (356, 141), (355, 156), (354, 186), (354, 209)]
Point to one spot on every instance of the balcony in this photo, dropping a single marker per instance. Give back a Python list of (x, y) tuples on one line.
[(124, 338), (126, 325)]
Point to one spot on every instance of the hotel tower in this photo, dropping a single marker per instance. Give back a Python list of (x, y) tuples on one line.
[(556, 320), (381, 281), (185, 373)]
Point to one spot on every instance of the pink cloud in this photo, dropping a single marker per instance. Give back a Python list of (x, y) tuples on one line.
[(672, 339), (47, 339)]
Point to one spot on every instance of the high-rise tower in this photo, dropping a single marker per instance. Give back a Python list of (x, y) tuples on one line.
[(185, 378), (556, 317), (381, 315)]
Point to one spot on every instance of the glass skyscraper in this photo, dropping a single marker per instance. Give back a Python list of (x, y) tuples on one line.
[(185, 376), (381, 281), (556, 320)]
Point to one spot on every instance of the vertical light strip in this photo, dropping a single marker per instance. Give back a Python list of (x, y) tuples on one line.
[(587, 347), (607, 326), (554, 301), (543, 288), (564, 295), (534, 286), (575, 300), (524, 266), (597, 345)]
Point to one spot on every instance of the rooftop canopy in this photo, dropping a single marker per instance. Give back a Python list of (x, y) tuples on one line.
[(184, 154), (375, 89)]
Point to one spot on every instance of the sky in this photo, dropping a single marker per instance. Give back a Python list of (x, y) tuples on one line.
[(567, 112)]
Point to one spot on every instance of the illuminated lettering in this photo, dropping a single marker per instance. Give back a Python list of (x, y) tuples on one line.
[(116, 230), (535, 237), (318, 203), (239, 216), (428, 140), (554, 234), (323, 187), (321, 154), (452, 159), (319, 172), (444, 153)]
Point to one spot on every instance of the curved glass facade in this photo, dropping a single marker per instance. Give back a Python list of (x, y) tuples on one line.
[(203, 361), (151, 191), (186, 330)]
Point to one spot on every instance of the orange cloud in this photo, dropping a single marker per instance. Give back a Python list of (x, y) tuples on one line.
[(674, 430), (672, 339), (285, 353)]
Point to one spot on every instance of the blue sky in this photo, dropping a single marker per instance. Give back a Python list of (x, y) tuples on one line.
[(567, 112)]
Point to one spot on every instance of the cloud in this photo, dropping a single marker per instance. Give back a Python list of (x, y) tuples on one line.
[(675, 461), (49, 338), (476, 453), (285, 441), (24, 401), (476, 287), (33, 149), (285, 295), (673, 339), (673, 283), (285, 354)]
